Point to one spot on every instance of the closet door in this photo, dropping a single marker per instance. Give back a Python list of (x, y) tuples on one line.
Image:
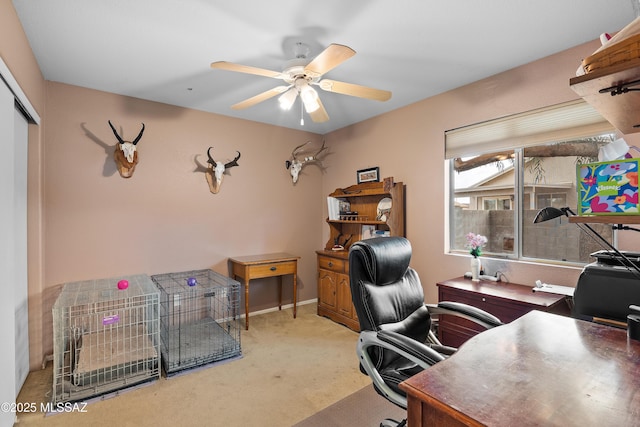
[(21, 296), (7, 249), (16, 112)]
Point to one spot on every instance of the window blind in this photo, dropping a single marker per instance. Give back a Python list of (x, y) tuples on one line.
[(574, 119)]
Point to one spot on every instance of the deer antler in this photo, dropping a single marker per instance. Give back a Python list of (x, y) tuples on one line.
[(211, 161), (135, 141), (313, 157), (115, 132), (233, 162), (296, 150), (121, 140)]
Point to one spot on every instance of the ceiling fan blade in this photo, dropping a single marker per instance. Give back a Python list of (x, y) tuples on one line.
[(354, 90), (230, 66), (259, 98), (328, 59), (320, 115)]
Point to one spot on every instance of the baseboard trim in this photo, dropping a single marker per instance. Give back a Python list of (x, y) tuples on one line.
[(272, 309)]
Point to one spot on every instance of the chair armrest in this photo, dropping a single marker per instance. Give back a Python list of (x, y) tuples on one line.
[(466, 311), (410, 348), (444, 350)]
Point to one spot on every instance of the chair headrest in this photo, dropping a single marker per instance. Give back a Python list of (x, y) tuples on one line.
[(385, 259)]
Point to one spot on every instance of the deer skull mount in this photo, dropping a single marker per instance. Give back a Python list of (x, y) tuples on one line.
[(215, 173), (296, 164), (125, 154)]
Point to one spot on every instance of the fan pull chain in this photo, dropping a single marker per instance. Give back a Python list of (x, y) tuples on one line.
[(301, 113)]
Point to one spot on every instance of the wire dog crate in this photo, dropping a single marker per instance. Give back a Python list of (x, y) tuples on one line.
[(199, 319), (105, 338)]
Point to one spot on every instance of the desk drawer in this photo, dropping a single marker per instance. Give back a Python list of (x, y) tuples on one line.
[(332, 264), (272, 269), (506, 310)]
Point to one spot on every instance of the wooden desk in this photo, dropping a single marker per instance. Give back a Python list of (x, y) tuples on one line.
[(539, 370), (506, 301), (262, 266)]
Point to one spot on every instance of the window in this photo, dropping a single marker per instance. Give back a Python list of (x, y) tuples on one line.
[(499, 203), (504, 171), (557, 200)]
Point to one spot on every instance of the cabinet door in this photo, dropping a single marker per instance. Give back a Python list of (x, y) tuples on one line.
[(345, 304), (327, 289)]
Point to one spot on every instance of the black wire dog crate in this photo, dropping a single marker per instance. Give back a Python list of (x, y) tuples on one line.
[(199, 319), (105, 338)]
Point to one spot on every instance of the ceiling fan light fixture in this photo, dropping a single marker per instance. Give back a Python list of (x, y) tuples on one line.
[(299, 76), (287, 99), (310, 98)]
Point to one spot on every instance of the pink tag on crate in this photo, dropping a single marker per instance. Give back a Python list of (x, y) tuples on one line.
[(110, 320)]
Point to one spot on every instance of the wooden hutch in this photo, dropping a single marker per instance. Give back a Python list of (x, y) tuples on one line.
[(334, 292)]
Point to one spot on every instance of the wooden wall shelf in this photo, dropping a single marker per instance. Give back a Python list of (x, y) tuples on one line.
[(621, 110), (611, 219)]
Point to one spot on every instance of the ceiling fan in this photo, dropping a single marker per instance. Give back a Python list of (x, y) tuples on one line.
[(300, 76)]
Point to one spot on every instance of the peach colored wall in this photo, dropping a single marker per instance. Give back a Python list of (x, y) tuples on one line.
[(86, 222), (164, 218), (408, 144)]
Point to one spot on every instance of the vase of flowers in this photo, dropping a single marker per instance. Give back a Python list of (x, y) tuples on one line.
[(475, 243)]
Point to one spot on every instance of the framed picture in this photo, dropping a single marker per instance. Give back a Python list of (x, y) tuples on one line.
[(369, 175), (368, 231)]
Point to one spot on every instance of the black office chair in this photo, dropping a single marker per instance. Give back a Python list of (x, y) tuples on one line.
[(396, 339)]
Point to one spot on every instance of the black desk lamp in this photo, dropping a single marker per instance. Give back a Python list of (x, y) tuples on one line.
[(548, 213)]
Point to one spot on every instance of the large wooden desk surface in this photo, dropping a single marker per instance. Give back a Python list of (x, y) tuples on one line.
[(262, 266), (539, 370)]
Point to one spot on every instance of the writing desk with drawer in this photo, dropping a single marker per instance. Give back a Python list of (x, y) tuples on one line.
[(263, 266), (506, 301)]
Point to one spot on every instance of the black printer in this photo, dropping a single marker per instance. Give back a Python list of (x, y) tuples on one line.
[(607, 287)]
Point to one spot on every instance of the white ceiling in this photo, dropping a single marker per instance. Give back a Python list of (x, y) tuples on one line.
[(160, 50)]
